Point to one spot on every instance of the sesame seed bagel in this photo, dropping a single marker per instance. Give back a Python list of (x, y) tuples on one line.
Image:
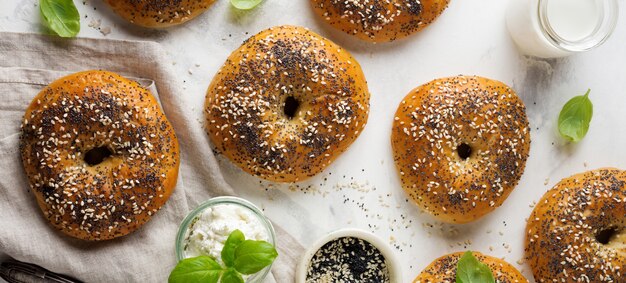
[(460, 146), (443, 270), (379, 20), (577, 231), (159, 13), (286, 104), (100, 155)]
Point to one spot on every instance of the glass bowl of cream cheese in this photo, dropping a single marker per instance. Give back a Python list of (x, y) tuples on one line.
[(205, 229)]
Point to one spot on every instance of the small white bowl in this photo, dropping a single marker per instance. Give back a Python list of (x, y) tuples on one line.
[(395, 273)]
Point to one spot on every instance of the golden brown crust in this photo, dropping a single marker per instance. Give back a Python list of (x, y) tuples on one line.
[(432, 126), (98, 109), (577, 231), (159, 13), (245, 104), (379, 20), (443, 270)]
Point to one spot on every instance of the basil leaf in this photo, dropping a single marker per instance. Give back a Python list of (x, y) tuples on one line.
[(252, 256), (228, 252), (245, 4), (196, 269), (470, 270), (231, 276), (575, 117), (61, 16)]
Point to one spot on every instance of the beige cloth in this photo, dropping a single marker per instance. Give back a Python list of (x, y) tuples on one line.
[(28, 62)]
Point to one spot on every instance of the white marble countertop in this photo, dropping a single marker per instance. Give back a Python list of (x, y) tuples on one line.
[(361, 189)]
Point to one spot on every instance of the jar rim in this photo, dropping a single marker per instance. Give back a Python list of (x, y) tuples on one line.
[(601, 33), (226, 200)]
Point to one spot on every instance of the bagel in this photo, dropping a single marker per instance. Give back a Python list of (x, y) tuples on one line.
[(379, 20), (286, 104), (460, 146), (100, 156), (443, 270), (577, 231), (159, 13)]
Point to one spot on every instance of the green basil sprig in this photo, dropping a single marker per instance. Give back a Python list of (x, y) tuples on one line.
[(196, 269), (235, 239), (231, 275), (245, 4), (61, 16), (575, 117), (240, 256), (252, 256), (470, 270)]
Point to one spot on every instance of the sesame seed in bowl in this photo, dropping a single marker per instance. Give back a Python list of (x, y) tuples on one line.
[(348, 255)]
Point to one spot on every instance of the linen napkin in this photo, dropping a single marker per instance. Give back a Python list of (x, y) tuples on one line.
[(28, 62)]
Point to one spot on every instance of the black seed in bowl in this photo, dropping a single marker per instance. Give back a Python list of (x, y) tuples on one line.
[(348, 259)]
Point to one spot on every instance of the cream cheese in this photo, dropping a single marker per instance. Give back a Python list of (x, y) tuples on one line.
[(210, 229)]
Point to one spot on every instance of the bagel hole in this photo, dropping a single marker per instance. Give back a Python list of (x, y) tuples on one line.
[(96, 155), (291, 107), (604, 236), (464, 151)]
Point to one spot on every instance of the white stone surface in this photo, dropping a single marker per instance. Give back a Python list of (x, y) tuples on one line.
[(469, 38)]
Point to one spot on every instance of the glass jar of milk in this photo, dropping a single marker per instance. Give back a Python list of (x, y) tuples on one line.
[(558, 28)]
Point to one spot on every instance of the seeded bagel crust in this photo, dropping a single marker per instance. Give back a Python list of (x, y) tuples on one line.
[(460, 146), (379, 20), (286, 104), (443, 270), (577, 231), (100, 155), (159, 13)]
